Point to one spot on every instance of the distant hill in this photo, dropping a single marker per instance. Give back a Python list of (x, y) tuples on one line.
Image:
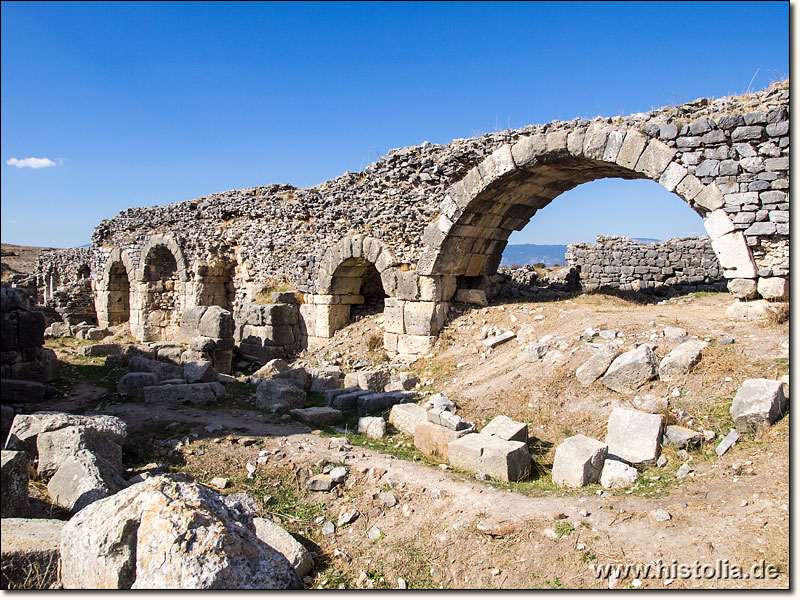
[(550, 255)]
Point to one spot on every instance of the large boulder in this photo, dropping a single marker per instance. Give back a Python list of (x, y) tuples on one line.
[(631, 370), (279, 395), (374, 427), (598, 364), (168, 534), (30, 546), (634, 436), (274, 536), (83, 478), (26, 428), (578, 461), (14, 486), (55, 447), (680, 360), (758, 403)]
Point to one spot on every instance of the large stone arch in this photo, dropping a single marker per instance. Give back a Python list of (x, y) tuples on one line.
[(114, 289), (161, 282), (503, 193)]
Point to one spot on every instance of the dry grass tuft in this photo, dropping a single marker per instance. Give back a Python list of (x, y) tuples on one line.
[(777, 315)]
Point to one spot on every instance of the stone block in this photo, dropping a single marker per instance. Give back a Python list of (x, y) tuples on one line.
[(682, 437), (274, 536), (201, 371), (424, 318), (527, 151), (734, 256), (14, 298), (298, 376), (30, 329), (374, 427), (405, 417), (617, 474), (393, 315), (216, 322), (471, 297), (26, 428), (631, 149), (371, 403), (276, 395), (654, 159), (414, 345), (187, 393), (501, 459), (433, 439), (14, 483), (634, 436), (748, 311), (758, 403), (55, 447), (773, 288), (672, 176), (15, 391), (162, 370), (710, 198), (317, 415), (30, 546), (81, 479), (272, 368), (631, 370), (594, 142), (506, 429), (598, 364), (102, 350), (578, 461), (742, 289), (677, 364), (373, 380)]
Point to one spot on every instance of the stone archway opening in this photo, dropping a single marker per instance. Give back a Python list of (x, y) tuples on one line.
[(84, 272), (357, 284), (161, 294), (119, 294), (215, 285)]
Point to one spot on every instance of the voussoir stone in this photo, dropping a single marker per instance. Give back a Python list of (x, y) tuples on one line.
[(168, 534)]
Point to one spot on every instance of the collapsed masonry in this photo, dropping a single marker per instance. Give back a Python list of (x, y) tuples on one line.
[(427, 225)]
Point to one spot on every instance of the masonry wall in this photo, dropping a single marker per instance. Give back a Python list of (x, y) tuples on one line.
[(687, 265)]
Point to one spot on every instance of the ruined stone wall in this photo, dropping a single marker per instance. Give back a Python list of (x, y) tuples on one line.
[(685, 264)]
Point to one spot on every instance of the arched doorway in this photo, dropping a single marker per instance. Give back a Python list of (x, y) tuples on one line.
[(161, 293), (119, 293), (214, 285)]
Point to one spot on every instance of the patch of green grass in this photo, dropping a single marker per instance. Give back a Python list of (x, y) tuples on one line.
[(398, 445), (587, 557), (284, 502), (564, 528), (553, 583)]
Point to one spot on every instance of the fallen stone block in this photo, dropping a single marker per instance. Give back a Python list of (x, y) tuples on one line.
[(57, 330), (162, 370), (112, 543), (578, 461), (83, 478), (498, 339), (298, 376), (317, 415), (758, 403), (471, 297), (216, 322), (405, 417), (133, 384), (402, 384), (617, 474), (14, 477), (381, 401), (328, 378), (598, 364), (631, 370), (17, 391), (674, 333), (634, 436), (374, 427), (272, 368), (682, 437), (279, 395), (191, 393), (349, 402), (201, 371), (506, 429), (331, 394), (55, 447), (440, 416), (651, 404), (102, 350), (680, 360), (26, 428), (274, 536), (31, 549), (373, 380), (748, 311), (507, 461), (727, 442), (433, 439)]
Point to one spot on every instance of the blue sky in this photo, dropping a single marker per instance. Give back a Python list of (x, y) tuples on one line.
[(138, 104)]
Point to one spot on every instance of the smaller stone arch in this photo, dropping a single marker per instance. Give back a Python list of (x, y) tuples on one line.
[(161, 279), (170, 244), (113, 295), (214, 280), (83, 272)]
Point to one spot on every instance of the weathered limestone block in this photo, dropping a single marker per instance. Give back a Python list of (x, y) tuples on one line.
[(274, 536), (433, 439), (16, 391), (373, 380), (718, 223), (748, 311), (617, 474), (681, 437), (634, 436), (129, 540), (393, 315), (374, 427), (742, 289), (680, 360), (631, 370), (632, 147), (162, 370), (298, 376), (471, 297), (200, 371), (272, 368), (317, 415), (327, 378), (758, 403), (773, 288), (26, 428), (30, 545), (216, 322), (405, 417), (578, 461), (193, 393), (501, 459), (734, 257), (598, 364), (14, 477), (132, 384), (102, 350), (83, 478), (507, 429), (414, 345), (372, 403), (276, 395), (55, 447), (424, 318)]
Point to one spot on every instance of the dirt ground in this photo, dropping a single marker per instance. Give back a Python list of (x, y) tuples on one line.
[(18, 259), (451, 530)]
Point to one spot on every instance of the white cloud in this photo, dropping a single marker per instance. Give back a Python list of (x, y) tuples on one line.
[(33, 163)]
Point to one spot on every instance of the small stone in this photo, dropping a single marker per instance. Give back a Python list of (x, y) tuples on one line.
[(348, 516), (662, 461), (387, 500), (329, 528), (339, 474), (219, 482), (660, 515), (374, 533)]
